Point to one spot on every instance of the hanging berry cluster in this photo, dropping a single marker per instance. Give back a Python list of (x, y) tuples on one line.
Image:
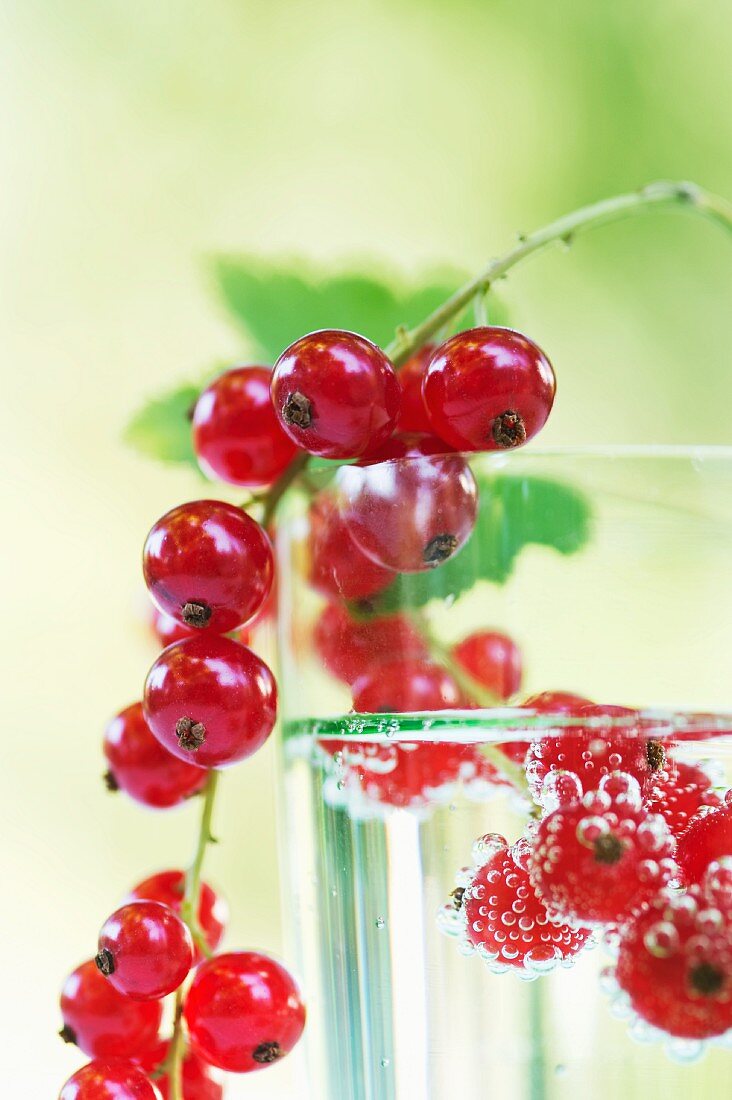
[(210, 702)]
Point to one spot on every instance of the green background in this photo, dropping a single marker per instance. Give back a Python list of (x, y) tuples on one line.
[(141, 138)]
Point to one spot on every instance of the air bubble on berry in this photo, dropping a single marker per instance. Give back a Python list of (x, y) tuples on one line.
[(541, 960), (560, 788), (449, 920), (717, 881), (622, 788), (643, 1032), (652, 834), (684, 1051), (486, 847), (592, 829), (662, 940)]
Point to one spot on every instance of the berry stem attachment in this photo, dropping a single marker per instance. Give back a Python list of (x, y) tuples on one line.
[(189, 908), (174, 1062), (660, 193), (280, 487)]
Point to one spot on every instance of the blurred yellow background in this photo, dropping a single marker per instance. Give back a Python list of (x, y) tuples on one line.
[(140, 138)]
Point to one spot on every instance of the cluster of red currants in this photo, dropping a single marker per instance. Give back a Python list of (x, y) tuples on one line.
[(209, 700), (628, 844)]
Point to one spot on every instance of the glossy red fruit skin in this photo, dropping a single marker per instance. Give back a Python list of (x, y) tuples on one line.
[(338, 567), (212, 556), (493, 659), (348, 389), (102, 1022), (168, 630), (708, 838), (403, 775), (413, 415), (406, 685), (199, 1082), (236, 435), (675, 964), (407, 445), (478, 377), (410, 516), (348, 647), (216, 684), (243, 1011), (145, 950), (596, 860), (508, 920), (109, 1079), (680, 795), (140, 766), (167, 887)]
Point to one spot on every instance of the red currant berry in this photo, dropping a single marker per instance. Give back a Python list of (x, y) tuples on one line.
[(168, 630), (404, 774), (140, 766), (407, 445), (707, 839), (405, 685), (210, 701), (681, 794), (168, 887), (336, 394), (493, 660), (209, 565), (413, 413), (109, 1079), (243, 1011), (339, 569), (198, 1078), (608, 743), (411, 516), (145, 950), (102, 1022), (557, 702), (236, 434), (488, 389), (505, 918), (675, 964), (596, 859), (348, 647)]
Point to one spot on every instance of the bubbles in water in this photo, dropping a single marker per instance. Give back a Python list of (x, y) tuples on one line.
[(662, 940), (560, 788), (684, 1051), (560, 1070), (486, 847), (718, 880), (590, 829), (380, 922), (384, 1063)]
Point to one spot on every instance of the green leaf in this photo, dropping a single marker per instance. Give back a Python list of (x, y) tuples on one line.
[(514, 512), (162, 428), (276, 304)]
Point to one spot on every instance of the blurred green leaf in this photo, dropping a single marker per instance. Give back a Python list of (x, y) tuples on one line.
[(514, 512), (162, 428), (275, 304)]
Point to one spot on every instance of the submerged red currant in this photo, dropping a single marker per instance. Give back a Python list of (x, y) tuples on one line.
[(348, 647), (405, 685), (493, 659), (488, 389), (145, 950), (236, 434), (339, 569), (243, 1011), (210, 701), (209, 565), (335, 394)]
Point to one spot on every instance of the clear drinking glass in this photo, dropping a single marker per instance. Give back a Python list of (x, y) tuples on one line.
[(611, 570)]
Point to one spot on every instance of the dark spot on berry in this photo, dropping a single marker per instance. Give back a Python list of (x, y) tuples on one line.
[(508, 429), (105, 962), (191, 734), (457, 896), (68, 1034), (191, 410), (439, 549), (608, 849), (196, 613), (706, 979), (387, 708), (655, 755), (297, 410), (364, 606), (110, 782), (266, 1053)]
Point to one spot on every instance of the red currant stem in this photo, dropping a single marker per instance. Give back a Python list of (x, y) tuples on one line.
[(478, 693), (189, 908), (480, 309), (280, 487), (662, 192), (173, 1066)]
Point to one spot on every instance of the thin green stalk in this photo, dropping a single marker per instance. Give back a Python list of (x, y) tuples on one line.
[(661, 193), (176, 1053), (205, 837)]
